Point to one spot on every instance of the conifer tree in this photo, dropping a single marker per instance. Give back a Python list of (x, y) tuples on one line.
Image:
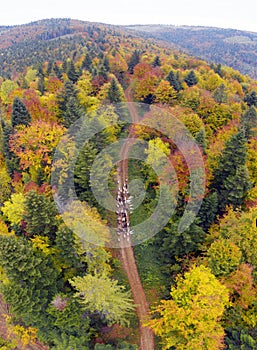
[(191, 78), (87, 62), (174, 80), (114, 93), (134, 60), (251, 99), (73, 74), (32, 277), (157, 62), (231, 180), (20, 114), (249, 122), (40, 216)]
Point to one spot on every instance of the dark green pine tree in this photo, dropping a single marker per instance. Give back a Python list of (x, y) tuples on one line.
[(66, 252), (57, 71), (208, 211), (241, 339), (174, 81), (40, 216), (251, 99), (134, 60), (157, 62), (82, 173), (20, 114), (70, 110), (174, 245), (231, 179), (72, 73), (41, 80), (12, 161), (220, 95), (200, 138), (106, 64), (87, 62), (191, 78), (33, 281), (249, 122), (114, 93), (41, 84), (49, 68)]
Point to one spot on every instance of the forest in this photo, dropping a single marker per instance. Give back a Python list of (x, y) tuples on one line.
[(230, 47), (68, 279)]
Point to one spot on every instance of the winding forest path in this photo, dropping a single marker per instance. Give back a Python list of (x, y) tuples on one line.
[(127, 253)]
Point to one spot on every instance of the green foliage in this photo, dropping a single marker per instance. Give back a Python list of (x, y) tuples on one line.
[(103, 295), (157, 61), (174, 80), (134, 60), (231, 180), (70, 110), (223, 257), (249, 122), (241, 339), (73, 327), (220, 95), (114, 92), (174, 245), (40, 215), (66, 252), (20, 114), (32, 280), (72, 73), (191, 79), (251, 99)]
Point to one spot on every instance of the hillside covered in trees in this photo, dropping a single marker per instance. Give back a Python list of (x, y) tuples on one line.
[(194, 288), (230, 47)]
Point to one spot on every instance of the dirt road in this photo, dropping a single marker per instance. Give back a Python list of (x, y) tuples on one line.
[(128, 258)]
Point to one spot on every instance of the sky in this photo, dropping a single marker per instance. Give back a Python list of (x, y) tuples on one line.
[(236, 14)]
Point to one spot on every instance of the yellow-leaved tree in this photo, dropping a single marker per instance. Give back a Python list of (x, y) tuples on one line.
[(190, 319)]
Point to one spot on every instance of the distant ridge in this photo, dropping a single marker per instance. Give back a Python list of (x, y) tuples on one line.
[(231, 47)]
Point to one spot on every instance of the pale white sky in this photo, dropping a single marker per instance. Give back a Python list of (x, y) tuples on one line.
[(237, 14)]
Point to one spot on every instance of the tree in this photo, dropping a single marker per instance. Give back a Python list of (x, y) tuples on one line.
[(101, 294), (165, 93), (231, 179), (87, 62), (20, 114), (31, 280), (190, 320), (191, 79), (14, 208), (200, 138), (72, 73), (40, 215), (7, 87), (114, 92), (134, 60), (224, 256), (174, 80), (157, 62), (249, 122), (251, 99), (33, 145), (174, 245), (70, 110), (220, 95), (72, 328)]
